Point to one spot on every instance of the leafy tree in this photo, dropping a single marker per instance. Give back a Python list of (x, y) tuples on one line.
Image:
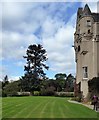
[(35, 56), (49, 87), (60, 79), (25, 83), (60, 76), (93, 86), (5, 81), (12, 88), (70, 83)]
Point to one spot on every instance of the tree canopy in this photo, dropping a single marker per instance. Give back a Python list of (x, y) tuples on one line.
[(36, 56)]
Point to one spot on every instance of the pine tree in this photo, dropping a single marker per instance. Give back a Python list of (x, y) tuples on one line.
[(35, 56)]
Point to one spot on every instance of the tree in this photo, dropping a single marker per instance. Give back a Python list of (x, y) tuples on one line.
[(5, 81), (70, 83), (60, 76), (12, 88), (35, 56), (93, 86), (61, 80)]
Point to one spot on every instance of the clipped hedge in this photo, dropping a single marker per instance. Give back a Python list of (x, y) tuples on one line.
[(64, 94), (47, 93), (23, 94), (36, 93)]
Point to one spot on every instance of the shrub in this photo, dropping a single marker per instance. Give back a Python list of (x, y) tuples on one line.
[(93, 86), (23, 94), (13, 93), (47, 93), (78, 99), (36, 93), (64, 94), (3, 94)]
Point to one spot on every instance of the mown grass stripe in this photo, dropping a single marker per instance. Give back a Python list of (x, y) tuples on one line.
[(29, 107), (12, 110), (26, 107), (34, 109), (44, 107), (61, 109), (52, 109)]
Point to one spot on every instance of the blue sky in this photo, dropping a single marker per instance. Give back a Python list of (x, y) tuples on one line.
[(51, 24)]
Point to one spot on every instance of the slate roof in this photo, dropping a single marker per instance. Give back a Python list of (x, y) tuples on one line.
[(87, 12), (95, 16)]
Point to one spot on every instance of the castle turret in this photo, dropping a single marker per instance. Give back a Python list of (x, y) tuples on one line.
[(86, 46), (86, 10)]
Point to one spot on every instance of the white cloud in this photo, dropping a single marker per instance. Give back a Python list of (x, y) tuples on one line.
[(49, 0), (59, 48), (15, 44), (14, 78), (20, 24), (92, 5), (20, 63), (3, 71), (49, 27)]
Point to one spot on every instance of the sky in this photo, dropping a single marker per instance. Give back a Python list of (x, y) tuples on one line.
[(51, 24)]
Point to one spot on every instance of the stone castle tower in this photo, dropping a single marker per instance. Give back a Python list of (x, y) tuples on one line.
[(86, 45)]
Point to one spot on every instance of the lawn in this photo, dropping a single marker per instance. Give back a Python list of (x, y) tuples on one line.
[(44, 107)]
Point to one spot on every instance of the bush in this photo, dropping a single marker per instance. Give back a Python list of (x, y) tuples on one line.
[(11, 89), (3, 94), (64, 94), (23, 94), (47, 93), (36, 93), (93, 86), (78, 99)]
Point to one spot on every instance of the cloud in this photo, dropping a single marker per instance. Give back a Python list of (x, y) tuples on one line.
[(14, 44), (14, 15), (49, 0), (59, 48), (92, 5), (13, 78), (20, 63), (45, 23)]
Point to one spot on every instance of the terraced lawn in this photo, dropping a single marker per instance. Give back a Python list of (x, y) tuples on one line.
[(44, 107)]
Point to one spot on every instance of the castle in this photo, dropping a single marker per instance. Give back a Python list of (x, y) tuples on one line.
[(86, 45)]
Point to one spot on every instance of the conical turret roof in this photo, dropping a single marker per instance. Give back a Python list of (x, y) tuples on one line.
[(86, 10)]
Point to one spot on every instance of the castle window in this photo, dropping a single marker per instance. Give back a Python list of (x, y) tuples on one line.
[(79, 16), (78, 29), (88, 23), (88, 31), (85, 72), (78, 48)]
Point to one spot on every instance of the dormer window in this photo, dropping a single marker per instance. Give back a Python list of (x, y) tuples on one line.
[(88, 23)]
